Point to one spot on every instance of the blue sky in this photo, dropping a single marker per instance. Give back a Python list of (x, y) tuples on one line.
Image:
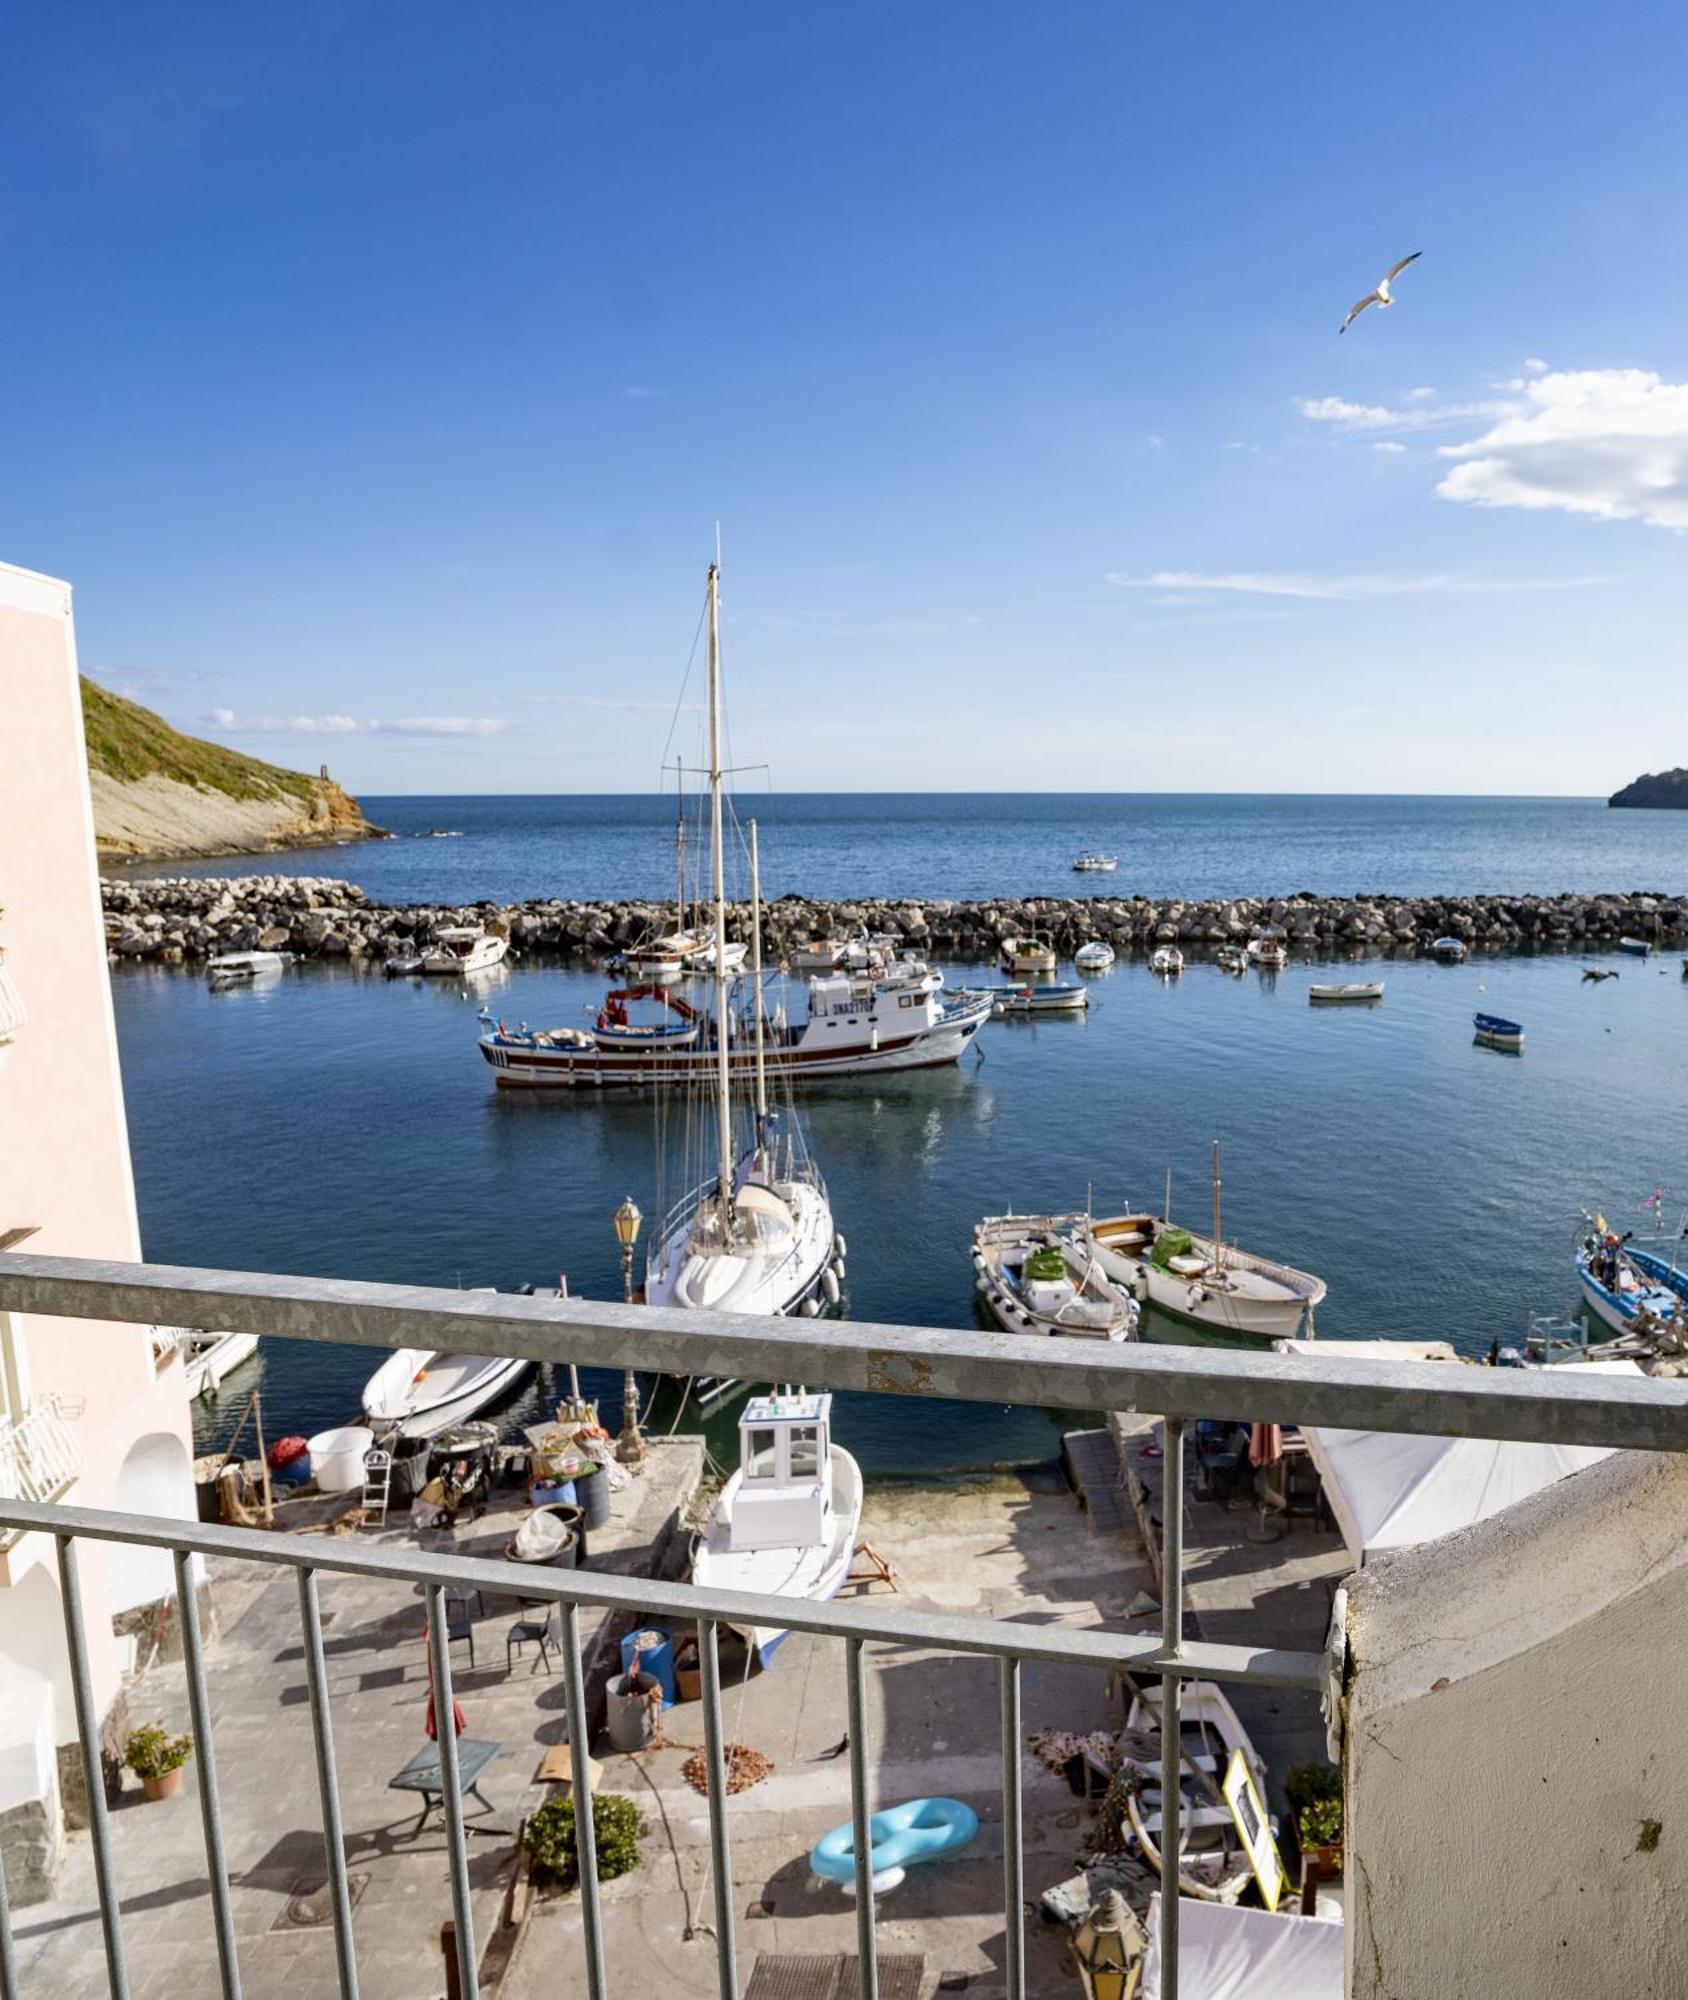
[(378, 377)]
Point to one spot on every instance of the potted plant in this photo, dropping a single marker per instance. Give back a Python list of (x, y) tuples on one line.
[(156, 1758), (1314, 1794), (616, 1828)]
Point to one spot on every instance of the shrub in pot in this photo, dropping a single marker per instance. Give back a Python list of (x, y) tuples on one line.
[(156, 1758), (1314, 1795), (617, 1826)]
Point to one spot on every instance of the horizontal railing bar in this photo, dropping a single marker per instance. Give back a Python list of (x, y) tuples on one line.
[(1540, 1405), (646, 1598)]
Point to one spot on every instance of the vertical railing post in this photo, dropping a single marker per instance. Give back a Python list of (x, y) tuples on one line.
[(585, 1834), (205, 1758), (88, 1733), (1171, 1703), (328, 1785), (451, 1792), (1013, 1845), (861, 1812), (720, 1849)]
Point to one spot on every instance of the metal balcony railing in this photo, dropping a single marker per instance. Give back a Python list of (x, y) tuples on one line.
[(1565, 1406), (40, 1455)]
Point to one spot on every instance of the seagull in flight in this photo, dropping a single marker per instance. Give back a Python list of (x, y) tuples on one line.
[(1383, 296)]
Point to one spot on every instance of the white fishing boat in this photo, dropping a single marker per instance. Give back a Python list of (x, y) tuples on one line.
[(1203, 1279), (1032, 999), (1213, 1864), (208, 1357), (663, 957), (1358, 993), (1167, 960), (1268, 953), (1095, 864), (818, 955), (753, 1234), (1028, 955), (1450, 951), (1096, 956), (1629, 1288), (462, 949), (785, 1523), (418, 1391), (240, 968), (1035, 1275)]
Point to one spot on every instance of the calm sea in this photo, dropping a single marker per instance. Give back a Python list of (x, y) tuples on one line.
[(339, 1123), (1021, 844)]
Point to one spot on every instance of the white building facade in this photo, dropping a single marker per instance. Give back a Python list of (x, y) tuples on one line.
[(91, 1413)]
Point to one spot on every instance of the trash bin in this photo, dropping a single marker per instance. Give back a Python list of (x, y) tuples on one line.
[(592, 1495), (627, 1714), (656, 1660)]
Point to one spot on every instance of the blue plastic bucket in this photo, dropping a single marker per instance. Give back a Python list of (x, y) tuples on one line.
[(657, 1661)]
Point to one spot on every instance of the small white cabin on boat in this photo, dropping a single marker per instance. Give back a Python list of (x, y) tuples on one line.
[(784, 1499)]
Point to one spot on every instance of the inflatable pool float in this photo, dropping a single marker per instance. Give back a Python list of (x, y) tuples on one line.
[(918, 1830)]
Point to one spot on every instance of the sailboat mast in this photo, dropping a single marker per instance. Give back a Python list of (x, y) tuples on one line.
[(1218, 1240), (680, 844), (756, 989), (717, 860)]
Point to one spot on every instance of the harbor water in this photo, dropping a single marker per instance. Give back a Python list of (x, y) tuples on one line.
[(334, 1122)]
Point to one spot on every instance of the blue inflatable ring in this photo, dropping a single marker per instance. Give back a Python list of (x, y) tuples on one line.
[(917, 1830)]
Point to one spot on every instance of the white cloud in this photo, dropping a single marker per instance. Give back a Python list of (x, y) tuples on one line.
[(1346, 416), (1606, 441), (1420, 395), (1532, 366), (352, 725), (1338, 589), (1387, 444)]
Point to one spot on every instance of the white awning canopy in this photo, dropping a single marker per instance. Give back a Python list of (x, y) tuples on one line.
[(1371, 1350), (1226, 1952), (1389, 1491)]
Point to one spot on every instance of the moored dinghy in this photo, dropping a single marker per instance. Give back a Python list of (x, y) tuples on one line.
[(1450, 951), (1035, 1277), (1497, 1032), (1168, 961), (1096, 956), (1028, 955), (1213, 1865), (785, 1523), (1267, 951), (1358, 993), (418, 1391), (1031, 999)]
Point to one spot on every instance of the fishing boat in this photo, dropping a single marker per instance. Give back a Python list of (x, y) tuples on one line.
[(1359, 993), (208, 1357), (1203, 1279), (818, 955), (1031, 999), (402, 964), (1028, 955), (676, 1027), (1636, 947), (1035, 1276), (1495, 1031), (1231, 958), (463, 949), (1627, 1287), (785, 1523), (240, 968), (1267, 952), (1095, 864), (1450, 951), (419, 1391), (753, 1233), (1167, 960), (661, 958), (1096, 956), (1213, 1864)]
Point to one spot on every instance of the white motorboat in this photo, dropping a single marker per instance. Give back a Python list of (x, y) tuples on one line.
[(417, 1391), (818, 955), (1095, 864), (463, 949), (239, 968), (731, 958), (1032, 999), (1358, 993), (1231, 958), (1450, 951), (1167, 960), (1035, 1275), (1028, 955), (1096, 956), (785, 1523), (755, 1234), (208, 1357), (664, 957), (1269, 953), (1213, 1864), (402, 964)]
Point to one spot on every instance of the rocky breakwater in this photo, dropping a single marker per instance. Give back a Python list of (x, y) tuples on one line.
[(185, 919)]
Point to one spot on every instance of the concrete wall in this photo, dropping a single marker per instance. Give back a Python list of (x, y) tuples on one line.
[(1516, 1764), (65, 1173)]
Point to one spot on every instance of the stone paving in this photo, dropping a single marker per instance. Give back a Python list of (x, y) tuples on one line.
[(1015, 1547), (378, 1687)]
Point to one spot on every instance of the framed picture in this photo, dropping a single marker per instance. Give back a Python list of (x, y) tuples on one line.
[(1248, 1813)]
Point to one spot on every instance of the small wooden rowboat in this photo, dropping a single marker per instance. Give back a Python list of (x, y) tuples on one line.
[(1359, 993)]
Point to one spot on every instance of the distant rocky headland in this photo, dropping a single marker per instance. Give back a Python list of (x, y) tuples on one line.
[(1657, 788), (185, 919), (162, 796)]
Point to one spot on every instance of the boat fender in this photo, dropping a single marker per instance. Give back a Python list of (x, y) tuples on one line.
[(810, 1308), (831, 1287), (840, 1246)]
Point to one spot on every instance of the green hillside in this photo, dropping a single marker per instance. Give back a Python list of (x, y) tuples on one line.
[(128, 742)]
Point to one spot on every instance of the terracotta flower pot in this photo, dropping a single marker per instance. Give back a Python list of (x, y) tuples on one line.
[(164, 1787)]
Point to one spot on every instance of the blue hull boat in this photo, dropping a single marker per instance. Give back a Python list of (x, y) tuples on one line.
[(1498, 1032), (1620, 1284)]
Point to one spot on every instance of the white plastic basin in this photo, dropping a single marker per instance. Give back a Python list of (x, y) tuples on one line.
[(337, 1457)]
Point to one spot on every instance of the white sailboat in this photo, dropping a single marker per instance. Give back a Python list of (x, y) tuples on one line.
[(756, 1236)]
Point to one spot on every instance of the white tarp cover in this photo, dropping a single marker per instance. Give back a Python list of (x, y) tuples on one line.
[(1371, 1350), (1389, 1491), (1227, 1953)]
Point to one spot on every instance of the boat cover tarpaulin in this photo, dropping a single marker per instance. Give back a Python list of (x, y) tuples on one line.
[(1391, 1492), (1229, 1953)]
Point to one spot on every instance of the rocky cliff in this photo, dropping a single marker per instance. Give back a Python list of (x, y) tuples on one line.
[(160, 795), (1658, 788)]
